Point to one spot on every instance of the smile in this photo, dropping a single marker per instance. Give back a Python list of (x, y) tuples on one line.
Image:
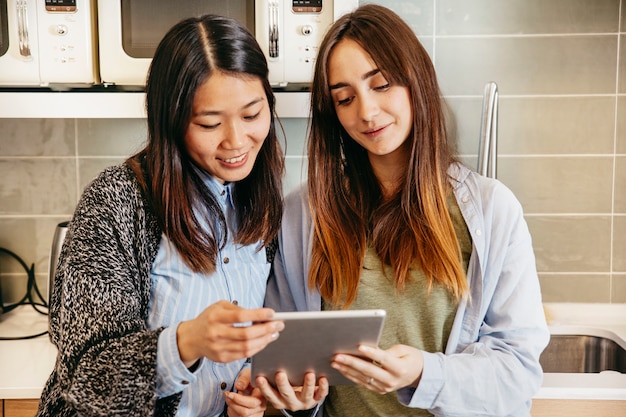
[(375, 131), (235, 159)]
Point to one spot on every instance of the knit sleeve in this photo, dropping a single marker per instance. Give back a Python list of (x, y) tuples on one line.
[(107, 355)]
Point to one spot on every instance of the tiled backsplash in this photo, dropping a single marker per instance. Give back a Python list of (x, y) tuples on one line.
[(560, 66)]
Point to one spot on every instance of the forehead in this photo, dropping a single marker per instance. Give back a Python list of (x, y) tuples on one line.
[(347, 61)]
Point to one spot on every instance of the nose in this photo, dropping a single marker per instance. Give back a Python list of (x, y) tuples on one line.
[(234, 136), (368, 107)]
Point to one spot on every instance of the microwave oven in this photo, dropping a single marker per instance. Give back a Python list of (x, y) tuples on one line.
[(48, 43), (288, 31)]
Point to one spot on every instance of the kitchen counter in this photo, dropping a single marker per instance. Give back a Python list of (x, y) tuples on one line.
[(26, 364), (603, 320)]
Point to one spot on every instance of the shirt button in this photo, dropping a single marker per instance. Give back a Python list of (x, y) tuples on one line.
[(223, 192), (184, 382), (465, 199), (226, 260), (235, 302), (223, 385), (478, 232)]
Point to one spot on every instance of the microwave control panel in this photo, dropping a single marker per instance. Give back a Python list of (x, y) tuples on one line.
[(290, 31), (66, 41), (61, 6)]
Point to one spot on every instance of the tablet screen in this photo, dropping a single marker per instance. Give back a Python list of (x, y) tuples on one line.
[(310, 339)]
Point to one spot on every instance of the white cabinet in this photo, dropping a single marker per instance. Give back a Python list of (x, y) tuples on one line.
[(114, 105)]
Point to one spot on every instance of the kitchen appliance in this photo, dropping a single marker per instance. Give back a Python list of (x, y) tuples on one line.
[(48, 43), (289, 32), (57, 242)]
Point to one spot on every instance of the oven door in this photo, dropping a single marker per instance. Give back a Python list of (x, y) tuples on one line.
[(130, 30), (19, 58)]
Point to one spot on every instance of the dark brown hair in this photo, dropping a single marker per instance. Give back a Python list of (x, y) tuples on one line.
[(185, 58), (411, 229)]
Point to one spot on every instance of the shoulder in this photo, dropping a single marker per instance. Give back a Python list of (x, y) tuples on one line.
[(484, 191)]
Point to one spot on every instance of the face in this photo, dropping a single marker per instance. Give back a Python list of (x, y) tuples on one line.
[(376, 114), (230, 121)]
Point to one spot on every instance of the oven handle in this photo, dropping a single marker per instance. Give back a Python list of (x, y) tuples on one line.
[(273, 29), (22, 29)]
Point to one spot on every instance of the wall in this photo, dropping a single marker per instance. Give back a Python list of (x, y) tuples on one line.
[(561, 70)]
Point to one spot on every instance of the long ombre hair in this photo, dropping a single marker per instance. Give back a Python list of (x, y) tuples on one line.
[(413, 228), (186, 57)]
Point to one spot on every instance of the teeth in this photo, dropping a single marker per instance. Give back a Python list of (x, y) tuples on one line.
[(234, 160)]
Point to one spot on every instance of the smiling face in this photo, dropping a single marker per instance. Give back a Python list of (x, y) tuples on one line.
[(229, 123), (375, 113)]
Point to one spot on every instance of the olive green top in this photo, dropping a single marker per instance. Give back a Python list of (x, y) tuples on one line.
[(415, 317)]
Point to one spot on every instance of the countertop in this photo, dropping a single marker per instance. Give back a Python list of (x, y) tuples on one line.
[(26, 364)]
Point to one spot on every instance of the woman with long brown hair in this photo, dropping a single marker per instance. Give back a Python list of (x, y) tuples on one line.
[(390, 219)]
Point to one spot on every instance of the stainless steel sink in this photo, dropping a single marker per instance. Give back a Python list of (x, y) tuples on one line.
[(582, 354)]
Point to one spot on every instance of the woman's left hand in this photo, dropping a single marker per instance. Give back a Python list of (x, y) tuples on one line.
[(248, 401), (284, 396), (382, 371)]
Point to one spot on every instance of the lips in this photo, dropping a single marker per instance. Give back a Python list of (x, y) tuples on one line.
[(376, 130)]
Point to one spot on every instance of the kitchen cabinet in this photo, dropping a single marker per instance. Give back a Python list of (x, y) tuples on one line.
[(578, 408), (19, 408), (114, 105)]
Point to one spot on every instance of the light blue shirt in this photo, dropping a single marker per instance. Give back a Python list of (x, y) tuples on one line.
[(490, 366), (179, 294)]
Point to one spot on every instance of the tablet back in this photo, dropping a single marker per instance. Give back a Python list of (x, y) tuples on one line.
[(311, 338)]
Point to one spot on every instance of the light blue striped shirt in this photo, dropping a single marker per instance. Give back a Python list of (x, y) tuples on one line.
[(179, 294)]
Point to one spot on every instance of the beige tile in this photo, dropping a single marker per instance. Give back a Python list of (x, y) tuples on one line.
[(489, 17), (559, 184), (417, 13), (619, 244), (556, 125), (30, 239), (111, 137), (622, 59), (37, 186), (618, 288), (295, 173), (464, 120), (89, 168), (528, 65), (573, 288), (294, 140), (37, 137), (621, 123), (620, 185), (571, 243)]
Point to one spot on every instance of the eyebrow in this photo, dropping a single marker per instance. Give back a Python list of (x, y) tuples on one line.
[(365, 76), (214, 112)]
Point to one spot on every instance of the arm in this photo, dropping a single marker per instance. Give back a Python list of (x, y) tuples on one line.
[(107, 355), (492, 365)]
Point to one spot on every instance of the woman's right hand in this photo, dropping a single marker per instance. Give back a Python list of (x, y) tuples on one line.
[(223, 333)]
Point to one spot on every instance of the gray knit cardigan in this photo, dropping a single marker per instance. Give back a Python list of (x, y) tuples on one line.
[(106, 365)]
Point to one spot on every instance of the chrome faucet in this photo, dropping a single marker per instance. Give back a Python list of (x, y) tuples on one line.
[(488, 143)]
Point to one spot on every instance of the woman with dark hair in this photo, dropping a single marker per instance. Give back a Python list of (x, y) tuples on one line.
[(391, 220), (158, 294)]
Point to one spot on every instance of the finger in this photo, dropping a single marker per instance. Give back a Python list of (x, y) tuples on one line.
[(242, 383), (270, 393), (322, 389), (243, 404)]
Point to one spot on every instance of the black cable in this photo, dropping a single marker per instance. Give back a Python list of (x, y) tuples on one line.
[(27, 299)]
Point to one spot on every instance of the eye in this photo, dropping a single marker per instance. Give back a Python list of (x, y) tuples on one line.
[(344, 101), (208, 127), (252, 117), (383, 87)]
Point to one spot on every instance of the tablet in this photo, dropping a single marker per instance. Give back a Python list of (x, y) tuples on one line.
[(310, 339)]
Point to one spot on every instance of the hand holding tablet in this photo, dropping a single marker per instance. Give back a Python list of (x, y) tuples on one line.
[(311, 339)]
